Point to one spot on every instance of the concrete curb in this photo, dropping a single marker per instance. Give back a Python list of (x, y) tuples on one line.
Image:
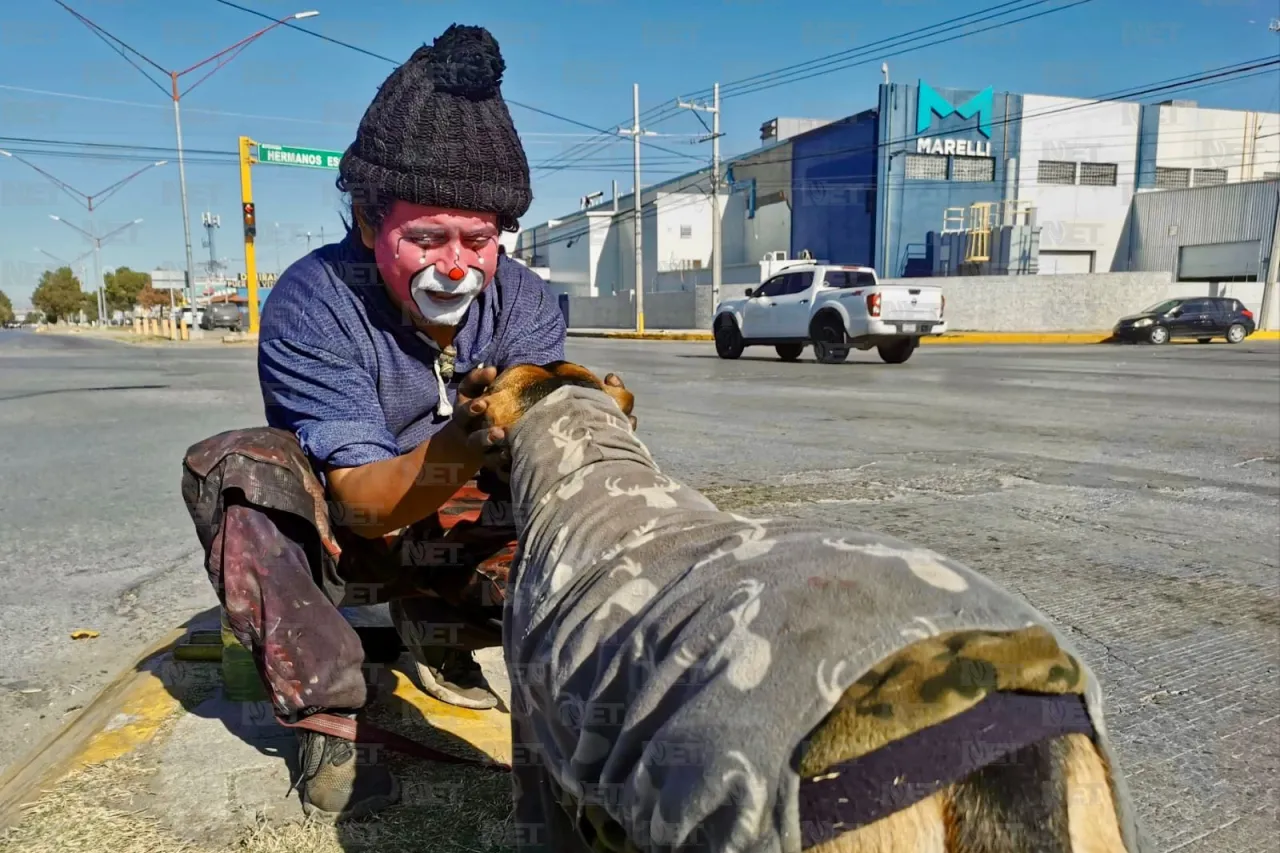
[(125, 714), (129, 712), (1006, 338)]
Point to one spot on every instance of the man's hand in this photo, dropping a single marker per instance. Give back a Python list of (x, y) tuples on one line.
[(625, 399), (469, 408)]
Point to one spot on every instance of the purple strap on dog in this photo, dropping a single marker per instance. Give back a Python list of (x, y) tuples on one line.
[(901, 773)]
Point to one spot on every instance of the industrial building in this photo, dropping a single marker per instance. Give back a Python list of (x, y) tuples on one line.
[(931, 181)]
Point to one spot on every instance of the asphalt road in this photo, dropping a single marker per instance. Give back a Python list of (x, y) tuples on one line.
[(1131, 493)]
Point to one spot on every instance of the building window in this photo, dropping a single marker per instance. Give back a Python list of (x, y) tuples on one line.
[(973, 169), (1098, 174), (1056, 172), (1172, 179), (926, 167), (686, 231), (1210, 177)]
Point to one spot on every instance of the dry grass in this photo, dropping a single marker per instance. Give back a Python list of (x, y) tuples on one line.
[(444, 809), (88, 813)]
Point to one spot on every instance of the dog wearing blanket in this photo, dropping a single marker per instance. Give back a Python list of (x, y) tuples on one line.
[(686, 679)]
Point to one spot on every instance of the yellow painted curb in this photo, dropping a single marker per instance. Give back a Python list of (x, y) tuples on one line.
[(646, 336), (1019, 338), (1267, 335), (124, 714), (487, 731), (144, 709)]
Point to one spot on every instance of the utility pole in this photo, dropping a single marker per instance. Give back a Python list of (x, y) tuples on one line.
[(635, 132), (717, 262), (1273, 268)]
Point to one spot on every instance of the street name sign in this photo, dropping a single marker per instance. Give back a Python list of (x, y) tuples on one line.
[(310, 158)]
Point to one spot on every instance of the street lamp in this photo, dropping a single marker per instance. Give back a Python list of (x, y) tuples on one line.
[(97, 242), (219, 59), (88, 201)]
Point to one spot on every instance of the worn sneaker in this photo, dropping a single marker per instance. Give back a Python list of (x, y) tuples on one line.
[(453, 676), (336, 782), (447, 673)]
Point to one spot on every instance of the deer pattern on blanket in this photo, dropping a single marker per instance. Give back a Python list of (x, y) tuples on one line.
[(699, 648)]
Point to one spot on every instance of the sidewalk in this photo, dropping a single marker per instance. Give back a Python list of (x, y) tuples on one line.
[(163, 762)]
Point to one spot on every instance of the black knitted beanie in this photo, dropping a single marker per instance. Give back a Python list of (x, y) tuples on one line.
[(438, 133)]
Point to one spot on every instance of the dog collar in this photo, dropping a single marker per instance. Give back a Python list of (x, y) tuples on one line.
[(903, 772)]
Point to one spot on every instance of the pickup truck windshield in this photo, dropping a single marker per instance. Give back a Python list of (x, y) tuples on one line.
[(848, 278)]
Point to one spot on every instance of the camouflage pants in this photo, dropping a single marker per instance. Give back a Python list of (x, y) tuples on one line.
[(282, 567)]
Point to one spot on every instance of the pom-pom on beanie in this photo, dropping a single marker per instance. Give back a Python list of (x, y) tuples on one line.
[(438, 132)]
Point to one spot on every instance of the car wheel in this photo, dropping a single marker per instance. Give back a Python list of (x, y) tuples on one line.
[(1158, 335), (789, 352), (828, 342), (729, 344), (1204, 340), (1235, 334), (898, 351)]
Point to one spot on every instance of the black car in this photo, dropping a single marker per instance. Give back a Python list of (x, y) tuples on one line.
[(1201, 317), (221, 315)]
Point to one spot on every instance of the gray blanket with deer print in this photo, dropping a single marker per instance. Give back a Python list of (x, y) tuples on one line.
[(667, 658)]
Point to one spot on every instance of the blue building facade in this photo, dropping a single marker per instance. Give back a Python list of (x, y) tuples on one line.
[(868, 189)]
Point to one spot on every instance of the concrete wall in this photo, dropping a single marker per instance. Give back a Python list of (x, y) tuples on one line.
[(1078, 218), (1064, 303), (617, 311), (1029, 303)]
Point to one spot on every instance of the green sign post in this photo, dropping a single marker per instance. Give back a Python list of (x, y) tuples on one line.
[(310, 158)]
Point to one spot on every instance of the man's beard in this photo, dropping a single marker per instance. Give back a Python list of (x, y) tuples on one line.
[(444, 302)]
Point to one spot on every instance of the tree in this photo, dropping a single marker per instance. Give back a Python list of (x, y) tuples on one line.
[(58, 294), (149, 297), (6, 309), (33, 318), (89, 305), (123, 287)]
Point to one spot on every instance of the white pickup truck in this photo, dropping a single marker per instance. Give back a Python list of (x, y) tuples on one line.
[(834, 308)]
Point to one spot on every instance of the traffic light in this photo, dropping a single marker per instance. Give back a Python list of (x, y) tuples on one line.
[(250, 223)]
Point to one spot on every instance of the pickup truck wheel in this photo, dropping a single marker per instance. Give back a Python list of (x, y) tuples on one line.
[(828, 342), (729, 343), (897, 351), (789, 352)]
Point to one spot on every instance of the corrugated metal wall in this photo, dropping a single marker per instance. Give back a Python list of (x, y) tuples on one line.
[(1163, 221)]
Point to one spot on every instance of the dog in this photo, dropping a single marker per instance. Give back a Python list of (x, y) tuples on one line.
[(688, 679)]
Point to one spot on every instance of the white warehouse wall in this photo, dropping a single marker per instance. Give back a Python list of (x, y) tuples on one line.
[(568, 253), (1246, 144), (1079, 218), (676, 211)]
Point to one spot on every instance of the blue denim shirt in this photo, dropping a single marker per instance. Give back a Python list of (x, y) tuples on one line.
[(345, 370)]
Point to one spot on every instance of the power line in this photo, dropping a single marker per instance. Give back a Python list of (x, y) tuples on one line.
[(664, 111), (514, 103)]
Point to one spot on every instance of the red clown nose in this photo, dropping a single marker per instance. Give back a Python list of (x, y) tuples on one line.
[(456, 274)]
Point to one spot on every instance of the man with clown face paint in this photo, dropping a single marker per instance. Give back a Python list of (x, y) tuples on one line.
[(372, 353)]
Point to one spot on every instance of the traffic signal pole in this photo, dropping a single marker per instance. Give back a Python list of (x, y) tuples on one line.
[(250, 229)]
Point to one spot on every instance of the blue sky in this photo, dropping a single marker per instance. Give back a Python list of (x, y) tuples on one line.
[(574, 58)]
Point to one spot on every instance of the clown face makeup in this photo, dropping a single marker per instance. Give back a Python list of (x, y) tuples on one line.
[(436, 261)]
